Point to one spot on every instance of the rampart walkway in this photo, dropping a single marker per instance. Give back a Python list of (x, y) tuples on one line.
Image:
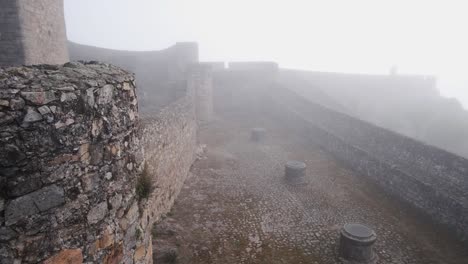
[(235, 208)]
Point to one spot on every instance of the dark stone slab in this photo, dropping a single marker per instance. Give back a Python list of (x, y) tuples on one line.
[(19, 209), (48, 197), (6, 234)]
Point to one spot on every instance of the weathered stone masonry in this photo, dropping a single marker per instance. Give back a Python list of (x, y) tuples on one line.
[(70, 159), (169, 138), (73, 150)]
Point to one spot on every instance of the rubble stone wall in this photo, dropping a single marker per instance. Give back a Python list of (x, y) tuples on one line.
[(427, 178), (70, 159), (74, 154), (169, 139)]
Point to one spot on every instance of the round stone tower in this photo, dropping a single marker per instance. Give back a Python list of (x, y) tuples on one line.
[(70, 166)]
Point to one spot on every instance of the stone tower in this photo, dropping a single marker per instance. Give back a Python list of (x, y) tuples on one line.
[(200, 80), (32, 32)]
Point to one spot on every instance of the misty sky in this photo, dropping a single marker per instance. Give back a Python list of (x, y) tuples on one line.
[(362, 36)]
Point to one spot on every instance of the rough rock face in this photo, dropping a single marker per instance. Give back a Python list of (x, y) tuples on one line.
[(70, 158), (169, 138)]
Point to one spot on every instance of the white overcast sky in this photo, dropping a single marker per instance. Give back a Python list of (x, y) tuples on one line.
[(361, 36)]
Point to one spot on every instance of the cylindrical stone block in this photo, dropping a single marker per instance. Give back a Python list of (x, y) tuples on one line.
[(356, 243), (258, 134), (295, 172)]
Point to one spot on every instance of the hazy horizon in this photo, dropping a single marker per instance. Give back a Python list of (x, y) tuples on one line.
[(420, 37)]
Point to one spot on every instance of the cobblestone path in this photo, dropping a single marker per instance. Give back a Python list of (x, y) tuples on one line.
[(236, 207)]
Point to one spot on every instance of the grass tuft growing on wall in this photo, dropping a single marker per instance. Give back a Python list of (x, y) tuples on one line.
[(144, 184)]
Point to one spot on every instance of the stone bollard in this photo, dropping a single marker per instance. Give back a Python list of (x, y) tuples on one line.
[(295, 172), (258, 134), (356, 243)]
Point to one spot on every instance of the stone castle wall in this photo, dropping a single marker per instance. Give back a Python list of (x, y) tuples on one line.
[(73, 155), (32, 32), (70, 161), (254, 66), (169, 138), (426, 178)]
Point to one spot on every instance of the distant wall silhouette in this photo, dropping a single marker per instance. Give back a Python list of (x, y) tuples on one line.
[(407, 104), (161, 75)]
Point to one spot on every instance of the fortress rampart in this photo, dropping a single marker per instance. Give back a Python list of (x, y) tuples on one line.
[(426, 178), (83, 177), (161, 75)]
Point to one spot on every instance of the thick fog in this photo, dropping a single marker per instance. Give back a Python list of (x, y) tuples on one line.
[(423, 37)]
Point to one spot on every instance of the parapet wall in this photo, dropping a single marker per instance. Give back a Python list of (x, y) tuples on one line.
[(407, 104), (427, 178), (169, 138), (32, 32), (254, 66)]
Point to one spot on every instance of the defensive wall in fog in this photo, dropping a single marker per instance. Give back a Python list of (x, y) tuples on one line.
[(32, 32), (83, 176), (407, 104), (74, 151), (161, 75), (429, 179)]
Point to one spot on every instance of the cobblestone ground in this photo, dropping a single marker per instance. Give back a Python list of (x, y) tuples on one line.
[(236, 207)]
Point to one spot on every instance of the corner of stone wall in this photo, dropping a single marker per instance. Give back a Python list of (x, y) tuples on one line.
[(200, 81)]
